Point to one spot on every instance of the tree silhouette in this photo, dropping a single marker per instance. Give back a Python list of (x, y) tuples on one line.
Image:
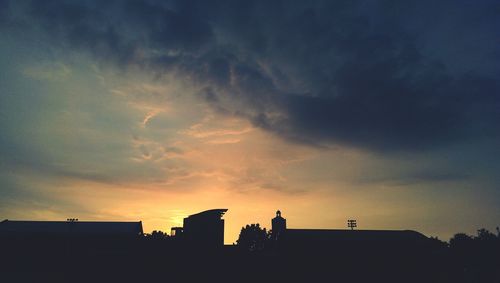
[(157, 235), (460, 240), (252, 238), (485, 235)]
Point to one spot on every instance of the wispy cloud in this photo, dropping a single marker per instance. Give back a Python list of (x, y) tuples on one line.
[(48, 71)]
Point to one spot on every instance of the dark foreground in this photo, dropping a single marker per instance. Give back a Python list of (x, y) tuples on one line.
[(139, 260)]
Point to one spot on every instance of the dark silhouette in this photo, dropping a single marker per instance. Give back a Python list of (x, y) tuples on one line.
[(351, 223), (278, 226), (72, 227), (76, 251), (176, 232), (461, 241), (157, 235), (476, 257), (205, 229), (252, 238)]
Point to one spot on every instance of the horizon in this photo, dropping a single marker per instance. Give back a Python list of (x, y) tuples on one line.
[(228, 237), (383, 112)]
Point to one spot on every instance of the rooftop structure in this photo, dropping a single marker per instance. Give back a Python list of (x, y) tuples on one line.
[(278, 225), (205, 229), (70, 227)]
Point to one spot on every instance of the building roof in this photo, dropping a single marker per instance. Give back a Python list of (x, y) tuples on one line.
[(212, 213), (334, 235), (76, 227), (356, 233)]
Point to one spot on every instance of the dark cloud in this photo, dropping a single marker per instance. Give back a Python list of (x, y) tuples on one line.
[(124, 32), (4, 9), (362, 77), (382, 75), (424, 176)]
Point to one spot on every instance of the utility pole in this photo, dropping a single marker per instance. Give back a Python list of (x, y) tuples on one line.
[(351, 223)]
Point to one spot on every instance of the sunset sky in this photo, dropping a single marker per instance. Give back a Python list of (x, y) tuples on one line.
[(387, 112)]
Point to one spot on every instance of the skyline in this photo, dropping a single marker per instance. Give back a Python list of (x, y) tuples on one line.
[(379, 111)]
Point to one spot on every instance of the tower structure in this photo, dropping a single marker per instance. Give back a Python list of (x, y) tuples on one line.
[(278, 225)]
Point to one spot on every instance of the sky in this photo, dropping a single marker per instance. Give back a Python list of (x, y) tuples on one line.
[(387, 112)]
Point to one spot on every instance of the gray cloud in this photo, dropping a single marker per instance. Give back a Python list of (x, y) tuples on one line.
[(360, 73), (425, 176)]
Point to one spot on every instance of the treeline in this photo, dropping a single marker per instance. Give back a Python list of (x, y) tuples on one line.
[(254, 238)]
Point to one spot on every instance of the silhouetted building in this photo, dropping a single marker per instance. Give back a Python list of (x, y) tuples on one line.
[(343, 241), (278, 225), (205, 229), (176, 231), (350, 240), (70, 228)]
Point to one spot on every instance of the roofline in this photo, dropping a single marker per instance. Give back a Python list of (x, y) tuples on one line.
[(356, 230), (59, 221), (360, 230), (220, 211)]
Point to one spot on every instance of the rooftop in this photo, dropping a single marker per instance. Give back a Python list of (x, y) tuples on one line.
[(212, 213), (74, 227)]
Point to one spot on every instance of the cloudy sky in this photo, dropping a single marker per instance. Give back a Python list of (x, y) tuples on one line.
[(387, 112)]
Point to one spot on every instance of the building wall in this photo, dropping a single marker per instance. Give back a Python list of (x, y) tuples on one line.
[(205, 229)]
